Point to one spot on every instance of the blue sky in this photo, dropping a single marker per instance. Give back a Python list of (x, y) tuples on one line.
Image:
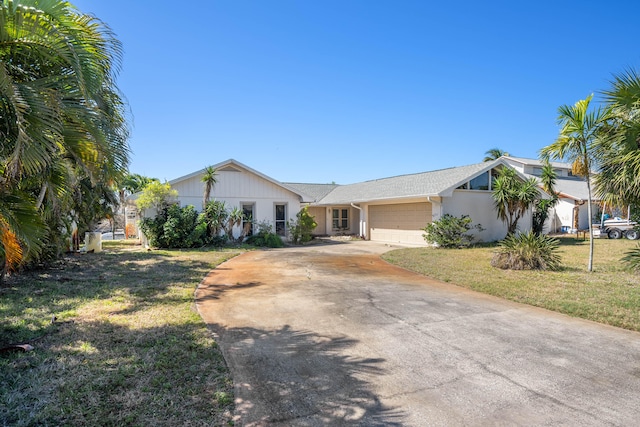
[(347, 91)]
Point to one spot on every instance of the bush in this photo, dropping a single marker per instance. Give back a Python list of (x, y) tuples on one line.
[(265, 237), (301, 228), (527, 251), (176, 227), (450, 231), (632, 258)]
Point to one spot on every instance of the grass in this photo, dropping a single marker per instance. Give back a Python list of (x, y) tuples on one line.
[(610, 294), (126, 348)]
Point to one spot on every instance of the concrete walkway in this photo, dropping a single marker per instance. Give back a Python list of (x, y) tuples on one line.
[(332, 335)]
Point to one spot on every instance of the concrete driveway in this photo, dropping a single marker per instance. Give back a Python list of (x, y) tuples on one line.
[(332, 335)]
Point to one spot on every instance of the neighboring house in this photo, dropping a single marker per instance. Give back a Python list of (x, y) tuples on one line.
[(571, 211), (393, 210)]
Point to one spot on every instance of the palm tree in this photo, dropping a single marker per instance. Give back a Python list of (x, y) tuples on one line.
[(619, 179), (582, 134), (63, 119), (493, 154), (513, 197), (234, 219), (542, 206), (22, 233), (210, 179)]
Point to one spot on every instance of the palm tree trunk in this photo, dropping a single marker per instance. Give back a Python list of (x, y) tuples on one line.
[(589, 213), (43, 192)]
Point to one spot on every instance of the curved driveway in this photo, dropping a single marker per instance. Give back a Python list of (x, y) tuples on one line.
[(332, 335)]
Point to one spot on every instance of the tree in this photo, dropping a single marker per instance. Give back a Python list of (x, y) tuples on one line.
[(22, 231), (618, 180), (513, 197), (542, 205), (234, 219), (156, 195), (493, 154), (62, 118), (210, 179), (216, 217), (582, 134), (131, 183)]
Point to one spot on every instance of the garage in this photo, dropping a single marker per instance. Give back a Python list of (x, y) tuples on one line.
[(399, 223)]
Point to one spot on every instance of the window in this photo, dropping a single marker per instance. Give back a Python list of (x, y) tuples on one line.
[(340, 219), (281, 219), (247, 218), (480, 182)]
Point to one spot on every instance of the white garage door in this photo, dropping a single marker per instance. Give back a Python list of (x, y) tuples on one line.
[(400, 223)]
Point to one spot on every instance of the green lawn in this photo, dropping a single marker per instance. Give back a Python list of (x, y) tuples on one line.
[(610, 294), (127, 346)]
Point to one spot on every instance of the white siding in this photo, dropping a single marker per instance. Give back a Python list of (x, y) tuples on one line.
[(237, 188)]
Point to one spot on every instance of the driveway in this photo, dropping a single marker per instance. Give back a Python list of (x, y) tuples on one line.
[(332, 335)]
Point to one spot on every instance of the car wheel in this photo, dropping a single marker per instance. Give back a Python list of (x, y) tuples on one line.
[(614, 233), (632, 234)]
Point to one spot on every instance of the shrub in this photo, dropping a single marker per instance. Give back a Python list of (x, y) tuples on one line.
[(176, 227), (450, 231), (265, 237), (527, 251), (301, 228), (632, 258)]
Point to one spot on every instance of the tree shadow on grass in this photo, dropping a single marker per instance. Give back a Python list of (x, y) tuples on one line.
[(31, 300), (103, 373), (288, 377)]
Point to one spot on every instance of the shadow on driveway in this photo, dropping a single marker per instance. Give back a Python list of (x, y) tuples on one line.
[(320, 384)]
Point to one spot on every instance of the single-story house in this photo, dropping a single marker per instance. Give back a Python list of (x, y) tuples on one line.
[(393, 210), (571, 212)]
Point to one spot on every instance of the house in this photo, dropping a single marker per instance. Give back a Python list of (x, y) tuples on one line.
[(571, 212), (396, 209), (393, 210), (261, 198)]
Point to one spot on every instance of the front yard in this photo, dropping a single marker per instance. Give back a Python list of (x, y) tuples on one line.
[(126, 346), (610, 294)]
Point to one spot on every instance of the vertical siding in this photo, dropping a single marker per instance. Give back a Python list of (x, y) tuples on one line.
[(237, 188)]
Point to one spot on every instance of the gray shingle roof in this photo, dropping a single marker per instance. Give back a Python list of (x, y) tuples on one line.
[(316, 191), (573, 188), (538, 163), (435, 183)]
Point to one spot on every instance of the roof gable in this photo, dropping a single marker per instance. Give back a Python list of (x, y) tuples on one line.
[(232, 165)]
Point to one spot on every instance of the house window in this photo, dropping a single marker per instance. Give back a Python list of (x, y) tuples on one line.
[(247, 218), (281, 219), (480, 182), (340, 219)]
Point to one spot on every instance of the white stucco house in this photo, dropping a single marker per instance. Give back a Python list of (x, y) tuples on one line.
[(571, 212), (392, 210)]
